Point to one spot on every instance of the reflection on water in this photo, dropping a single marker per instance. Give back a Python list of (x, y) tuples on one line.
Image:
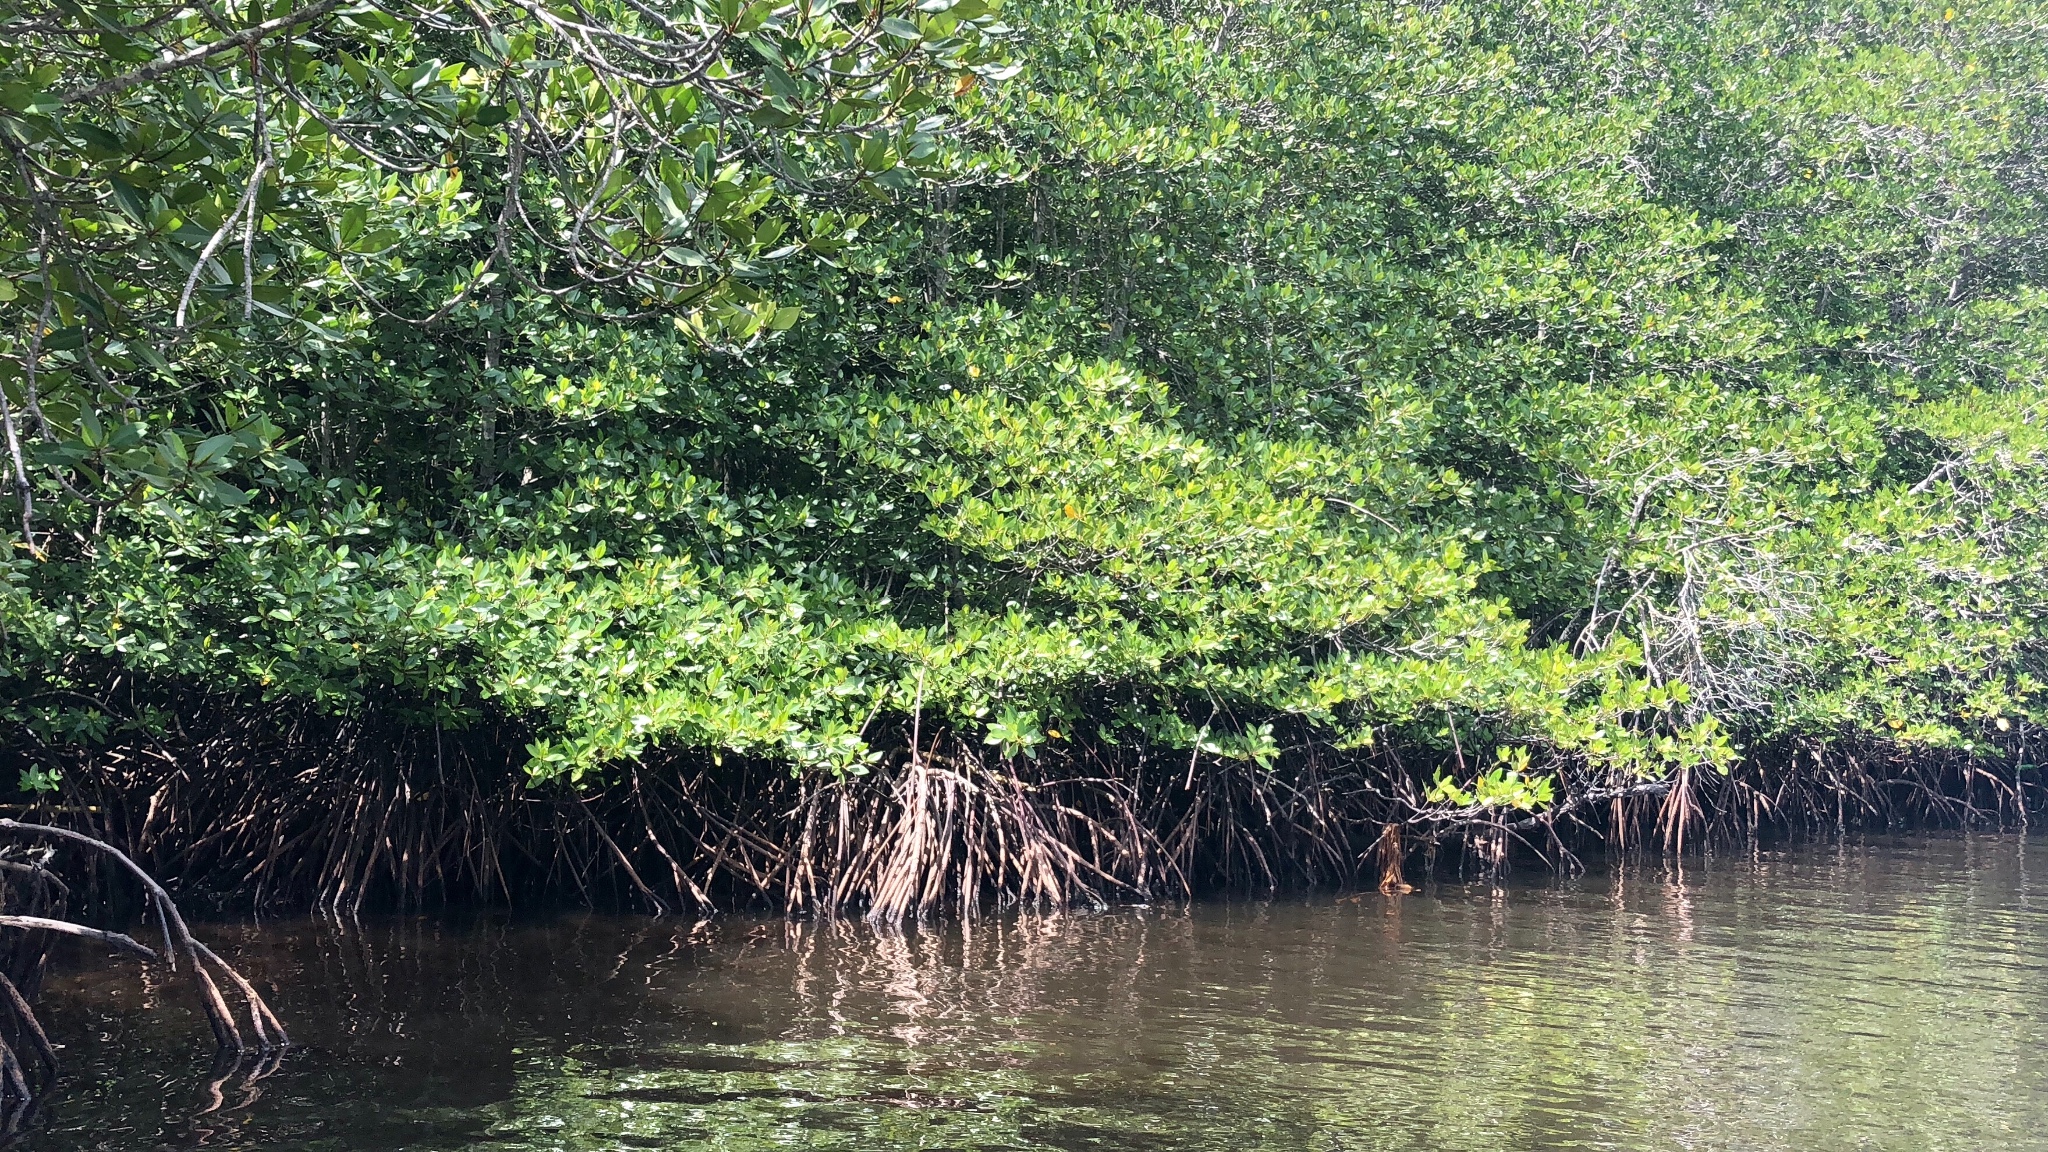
[(1884, 995)]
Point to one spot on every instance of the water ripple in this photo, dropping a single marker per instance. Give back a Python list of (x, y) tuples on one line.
[(1885, 994)]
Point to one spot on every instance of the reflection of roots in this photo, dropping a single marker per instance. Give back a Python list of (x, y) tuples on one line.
[(34, 898), (345, 813)]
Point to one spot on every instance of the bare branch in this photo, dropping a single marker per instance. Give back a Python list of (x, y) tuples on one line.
[(168, 64), (118, 941)]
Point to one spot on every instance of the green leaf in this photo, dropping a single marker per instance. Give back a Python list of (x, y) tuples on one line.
[(131, 199)]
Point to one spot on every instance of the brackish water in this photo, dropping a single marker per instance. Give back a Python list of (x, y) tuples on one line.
[(1888, 994)]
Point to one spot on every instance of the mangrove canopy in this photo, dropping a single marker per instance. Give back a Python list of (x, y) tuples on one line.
[(876, 454)]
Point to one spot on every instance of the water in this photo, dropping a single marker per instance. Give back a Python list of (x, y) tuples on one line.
[(1885, 995)]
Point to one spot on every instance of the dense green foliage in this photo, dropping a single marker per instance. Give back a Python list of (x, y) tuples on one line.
[(1584, 383)]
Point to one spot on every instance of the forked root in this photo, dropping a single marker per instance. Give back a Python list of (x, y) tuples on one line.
[(304, 814), (961, 828), (27, 937)]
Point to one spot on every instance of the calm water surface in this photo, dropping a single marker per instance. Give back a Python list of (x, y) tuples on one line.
[(1888, 994)]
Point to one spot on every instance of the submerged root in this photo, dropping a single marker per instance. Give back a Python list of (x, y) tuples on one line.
[(35, 899)]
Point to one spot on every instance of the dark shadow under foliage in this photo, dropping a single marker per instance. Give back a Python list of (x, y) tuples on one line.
[(371, 814)]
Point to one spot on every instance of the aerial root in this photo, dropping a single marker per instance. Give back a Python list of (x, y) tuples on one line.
[(1391, 854), (349, 813), (205, 965)]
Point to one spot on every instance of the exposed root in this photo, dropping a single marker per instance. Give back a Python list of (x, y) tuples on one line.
[(25, 1020), (1678, 811), (203, 961), (342, 814), (24, 940), (1390, 856), (118, 941)]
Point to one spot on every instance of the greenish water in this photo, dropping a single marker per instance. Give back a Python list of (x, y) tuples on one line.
[(1888, 994)]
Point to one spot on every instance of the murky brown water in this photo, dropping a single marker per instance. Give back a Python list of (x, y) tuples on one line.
[(1885, 995)]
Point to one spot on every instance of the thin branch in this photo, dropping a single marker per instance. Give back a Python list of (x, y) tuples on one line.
[(218, 238), (120, 942), (168, 64)]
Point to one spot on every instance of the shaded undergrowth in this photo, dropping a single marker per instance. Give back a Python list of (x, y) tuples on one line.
[(254, 807)]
